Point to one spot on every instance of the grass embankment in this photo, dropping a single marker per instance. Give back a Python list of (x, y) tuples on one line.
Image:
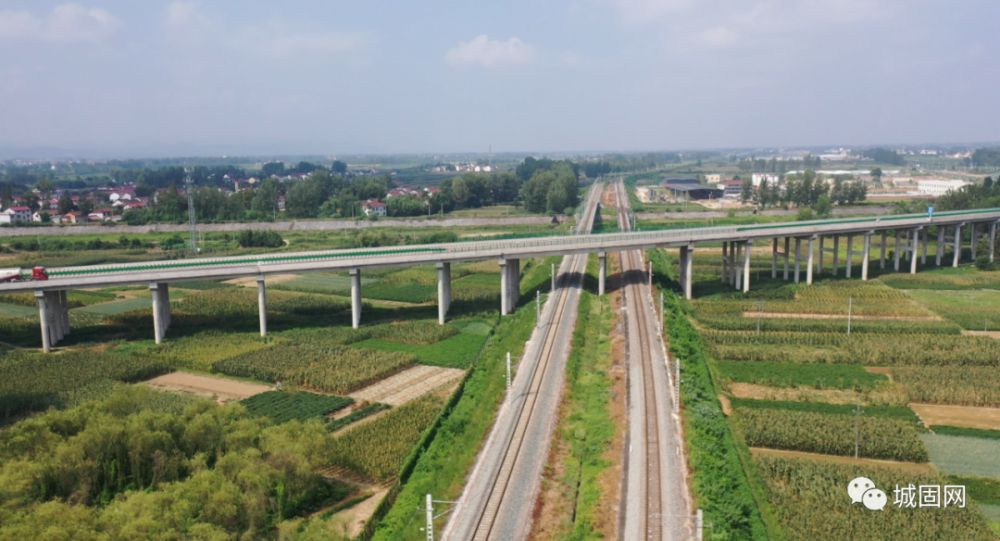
[(444, 462), (585, 430), (721, 486)]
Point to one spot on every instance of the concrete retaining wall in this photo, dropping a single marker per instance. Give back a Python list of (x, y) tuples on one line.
[(306, 225)]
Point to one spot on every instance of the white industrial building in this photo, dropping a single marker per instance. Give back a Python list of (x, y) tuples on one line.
[(940, 186), (15, 214)]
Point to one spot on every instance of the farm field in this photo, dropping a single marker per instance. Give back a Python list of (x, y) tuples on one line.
[(792, 387), (371, 393)]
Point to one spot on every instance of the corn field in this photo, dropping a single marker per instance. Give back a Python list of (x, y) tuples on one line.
[(334, 369), (963, 386), (378, 448), (869, 349), (887, 439), (812, 504)]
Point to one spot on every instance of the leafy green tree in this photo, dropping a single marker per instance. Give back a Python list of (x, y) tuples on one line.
[(505, 187), (45, 188), (304, 198), (534, 192), (265, 199), (65, 204), (877, 174), (272, 168), (338, 167), (823, 206), (746, 190)]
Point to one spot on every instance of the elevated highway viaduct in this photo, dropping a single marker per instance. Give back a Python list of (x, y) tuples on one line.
[(736, 241)]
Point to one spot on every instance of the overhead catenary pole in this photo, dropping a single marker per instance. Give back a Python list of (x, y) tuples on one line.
[(508, 376), (857, 429), (849, 302)]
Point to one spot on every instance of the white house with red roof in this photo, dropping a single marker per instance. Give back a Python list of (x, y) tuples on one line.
[(373, 207), (15, 214), (101, 214)]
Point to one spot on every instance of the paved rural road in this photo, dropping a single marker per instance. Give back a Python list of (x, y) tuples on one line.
[(655, 495), (499, 497)]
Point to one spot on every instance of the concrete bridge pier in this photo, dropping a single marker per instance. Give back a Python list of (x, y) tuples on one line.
[(923, 255), (725, 268), (993, 236), (687, 269), (975, 231), (444, 290), (883, 247), (809, 260), (788, 243), (914, 243), (55, 316), (958, 245), (939, 249), (850, 256), (43, 317), (262, 304), (774, 257), (355, 297), (602, 271), (867, 255), (510, 285), (798, 258), (897, 250), (65, 311), (746, 266), (161, 309), (738, 249)]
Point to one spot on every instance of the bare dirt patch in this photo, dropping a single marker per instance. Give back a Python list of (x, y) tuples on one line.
[(906, 466), (356, 517), (222, 390), (727, 406), (408, 384), (884, 370), (964, 416), (251, 281), (991, 334), (782, 315)]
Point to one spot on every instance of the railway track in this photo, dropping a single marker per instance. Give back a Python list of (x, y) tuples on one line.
[(500, 496), (653, 502)]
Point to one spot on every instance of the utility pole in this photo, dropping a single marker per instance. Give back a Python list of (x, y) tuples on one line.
[(849, 302), (508, 376), (538, 307), (430, 518), (857, 429), (760, 307), (553, 290), (189, 186)]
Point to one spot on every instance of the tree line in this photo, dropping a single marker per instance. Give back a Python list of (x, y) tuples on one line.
[(807, 190)]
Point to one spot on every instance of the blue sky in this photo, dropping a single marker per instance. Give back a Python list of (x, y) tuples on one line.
[(334, 77)]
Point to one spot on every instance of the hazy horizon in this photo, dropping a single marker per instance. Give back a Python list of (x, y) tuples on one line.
[(110, 78)]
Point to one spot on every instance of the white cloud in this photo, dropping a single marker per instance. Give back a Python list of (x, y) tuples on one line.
[(481, 51), (292, 43), (67, 23), (186, 22)]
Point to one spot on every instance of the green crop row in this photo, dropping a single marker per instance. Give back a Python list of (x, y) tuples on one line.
[(884, 412), (334, 369), (828, 325), (888, 439), (820, 376), (719, 481), (966, 432), (32, 381), (377, 449), (455, 352), (282, 407), (870, 349), (812, 504)]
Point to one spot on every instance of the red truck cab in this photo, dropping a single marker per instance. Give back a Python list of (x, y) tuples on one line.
[(39, 273)]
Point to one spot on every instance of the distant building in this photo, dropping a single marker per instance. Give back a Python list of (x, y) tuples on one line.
[(101, 214), (758, 178), (732, 189), (373, 207), (694, 192), (74, 217), (940, 186), (54, 217), (645, 194), (713, 178), (680, 180), (15, 214)]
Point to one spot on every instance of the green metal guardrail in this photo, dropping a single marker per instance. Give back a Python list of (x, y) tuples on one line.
[(261, 259), (496, 244), (861, 220)]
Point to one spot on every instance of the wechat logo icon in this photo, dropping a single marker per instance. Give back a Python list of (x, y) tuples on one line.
[(863, 490)]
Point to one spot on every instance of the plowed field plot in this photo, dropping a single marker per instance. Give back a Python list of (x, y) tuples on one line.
[(407, 385), (965, 416), (117, 307), (223, 389)]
